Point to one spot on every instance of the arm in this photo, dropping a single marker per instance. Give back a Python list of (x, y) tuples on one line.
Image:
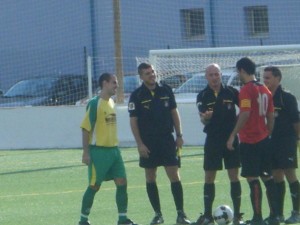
[(142, 149), (270, 122), (177, 126), (205, 117), (85, 146), (297, 129), (242, 119)]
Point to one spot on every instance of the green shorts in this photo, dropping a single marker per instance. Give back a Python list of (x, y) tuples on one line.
[(106, 164)]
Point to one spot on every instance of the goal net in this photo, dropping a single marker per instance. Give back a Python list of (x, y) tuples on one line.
[(191, 62)]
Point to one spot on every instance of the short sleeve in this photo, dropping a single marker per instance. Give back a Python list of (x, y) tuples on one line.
[(244, 100), (292, 108), (133, 105), (199, 103)]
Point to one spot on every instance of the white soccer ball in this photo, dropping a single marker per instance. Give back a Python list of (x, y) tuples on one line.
[(223, 215)]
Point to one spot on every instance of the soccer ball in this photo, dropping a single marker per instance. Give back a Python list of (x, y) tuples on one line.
[(223, 215)]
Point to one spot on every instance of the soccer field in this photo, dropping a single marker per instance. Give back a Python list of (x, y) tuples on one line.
[(45, 187)]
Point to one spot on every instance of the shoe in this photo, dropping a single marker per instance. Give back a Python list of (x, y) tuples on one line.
[(281, 219), (127, 222), (157, 219), (272, 220), (238, 219), (203, 220), (84, 223), (182, 219), (294, 218), (257, 222)]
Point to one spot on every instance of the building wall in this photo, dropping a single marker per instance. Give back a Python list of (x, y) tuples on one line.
[(46, 37)]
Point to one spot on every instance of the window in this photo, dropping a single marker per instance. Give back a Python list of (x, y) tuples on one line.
[(192, 23), (257, 20)]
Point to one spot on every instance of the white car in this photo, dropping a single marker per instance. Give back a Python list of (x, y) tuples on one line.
[(188, 91)]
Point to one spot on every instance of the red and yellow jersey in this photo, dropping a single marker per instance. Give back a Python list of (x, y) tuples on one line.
[(257, 99)]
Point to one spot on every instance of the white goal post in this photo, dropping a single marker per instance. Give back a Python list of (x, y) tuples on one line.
[(169, 62)]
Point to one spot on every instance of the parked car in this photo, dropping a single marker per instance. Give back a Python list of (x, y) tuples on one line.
[(175, 80), (188, 91), (46, 91), (130, 83)]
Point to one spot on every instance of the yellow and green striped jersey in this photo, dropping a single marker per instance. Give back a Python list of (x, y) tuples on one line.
[(100, 121)]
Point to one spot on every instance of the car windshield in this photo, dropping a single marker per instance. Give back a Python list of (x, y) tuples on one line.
[(196, 84), (192, 85), (31, 88)]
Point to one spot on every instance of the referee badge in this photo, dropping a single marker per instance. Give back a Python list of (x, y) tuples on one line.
[(229, 106), (131, 106), (166, 104)]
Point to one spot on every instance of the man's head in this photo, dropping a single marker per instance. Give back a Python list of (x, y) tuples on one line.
[(213, 75), (147, 74), (272, 77), (245, 68), (108, 84)]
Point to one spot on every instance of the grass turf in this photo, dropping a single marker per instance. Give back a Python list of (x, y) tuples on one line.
[(45, 187)]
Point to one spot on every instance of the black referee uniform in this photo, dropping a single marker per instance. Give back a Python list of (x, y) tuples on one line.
[(284, 137), (219, 127), (155, 123)]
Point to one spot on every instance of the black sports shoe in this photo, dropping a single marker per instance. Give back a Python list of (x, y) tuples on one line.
[(203, 220), (182, 219), (256, 222), (127, 222), (294, 218), (281, 219), (84, 223), (157, 219), (238, 219), (272, 220)]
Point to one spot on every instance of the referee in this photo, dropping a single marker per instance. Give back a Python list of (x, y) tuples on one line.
[(285, 134), (153, 117), (216, 104)]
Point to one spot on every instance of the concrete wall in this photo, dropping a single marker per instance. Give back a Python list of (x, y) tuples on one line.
[(58, 127)]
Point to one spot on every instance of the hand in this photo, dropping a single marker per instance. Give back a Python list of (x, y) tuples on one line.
[(229, 143), (86, 158), (179, 142), (143, 151), (207, 115)]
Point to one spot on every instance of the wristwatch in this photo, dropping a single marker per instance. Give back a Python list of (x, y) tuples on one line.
[(179, 135)]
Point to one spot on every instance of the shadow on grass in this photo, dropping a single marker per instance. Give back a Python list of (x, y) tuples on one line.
[(73, 166), (40, 169)]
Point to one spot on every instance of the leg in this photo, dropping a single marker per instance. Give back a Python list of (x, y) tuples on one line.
[(295, 195), (177, 192), (153, 195), (87, 202), (152, 189), (278, 176), (294, 187), (272, 196), (176, 187), (256, 197), (121, 198), (209, 192), (235, 191)]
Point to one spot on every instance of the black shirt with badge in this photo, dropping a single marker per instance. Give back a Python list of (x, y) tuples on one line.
[(223, 106), (153, 110), (286, 113)]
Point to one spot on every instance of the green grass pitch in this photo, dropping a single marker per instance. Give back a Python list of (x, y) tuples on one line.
[(45, 187)]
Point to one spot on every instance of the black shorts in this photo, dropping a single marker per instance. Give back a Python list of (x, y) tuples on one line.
[(284, 153), (256, 158), (162, 152), (215, 151)]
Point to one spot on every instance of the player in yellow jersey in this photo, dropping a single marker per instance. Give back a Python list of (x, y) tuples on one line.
[(100, 150)]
